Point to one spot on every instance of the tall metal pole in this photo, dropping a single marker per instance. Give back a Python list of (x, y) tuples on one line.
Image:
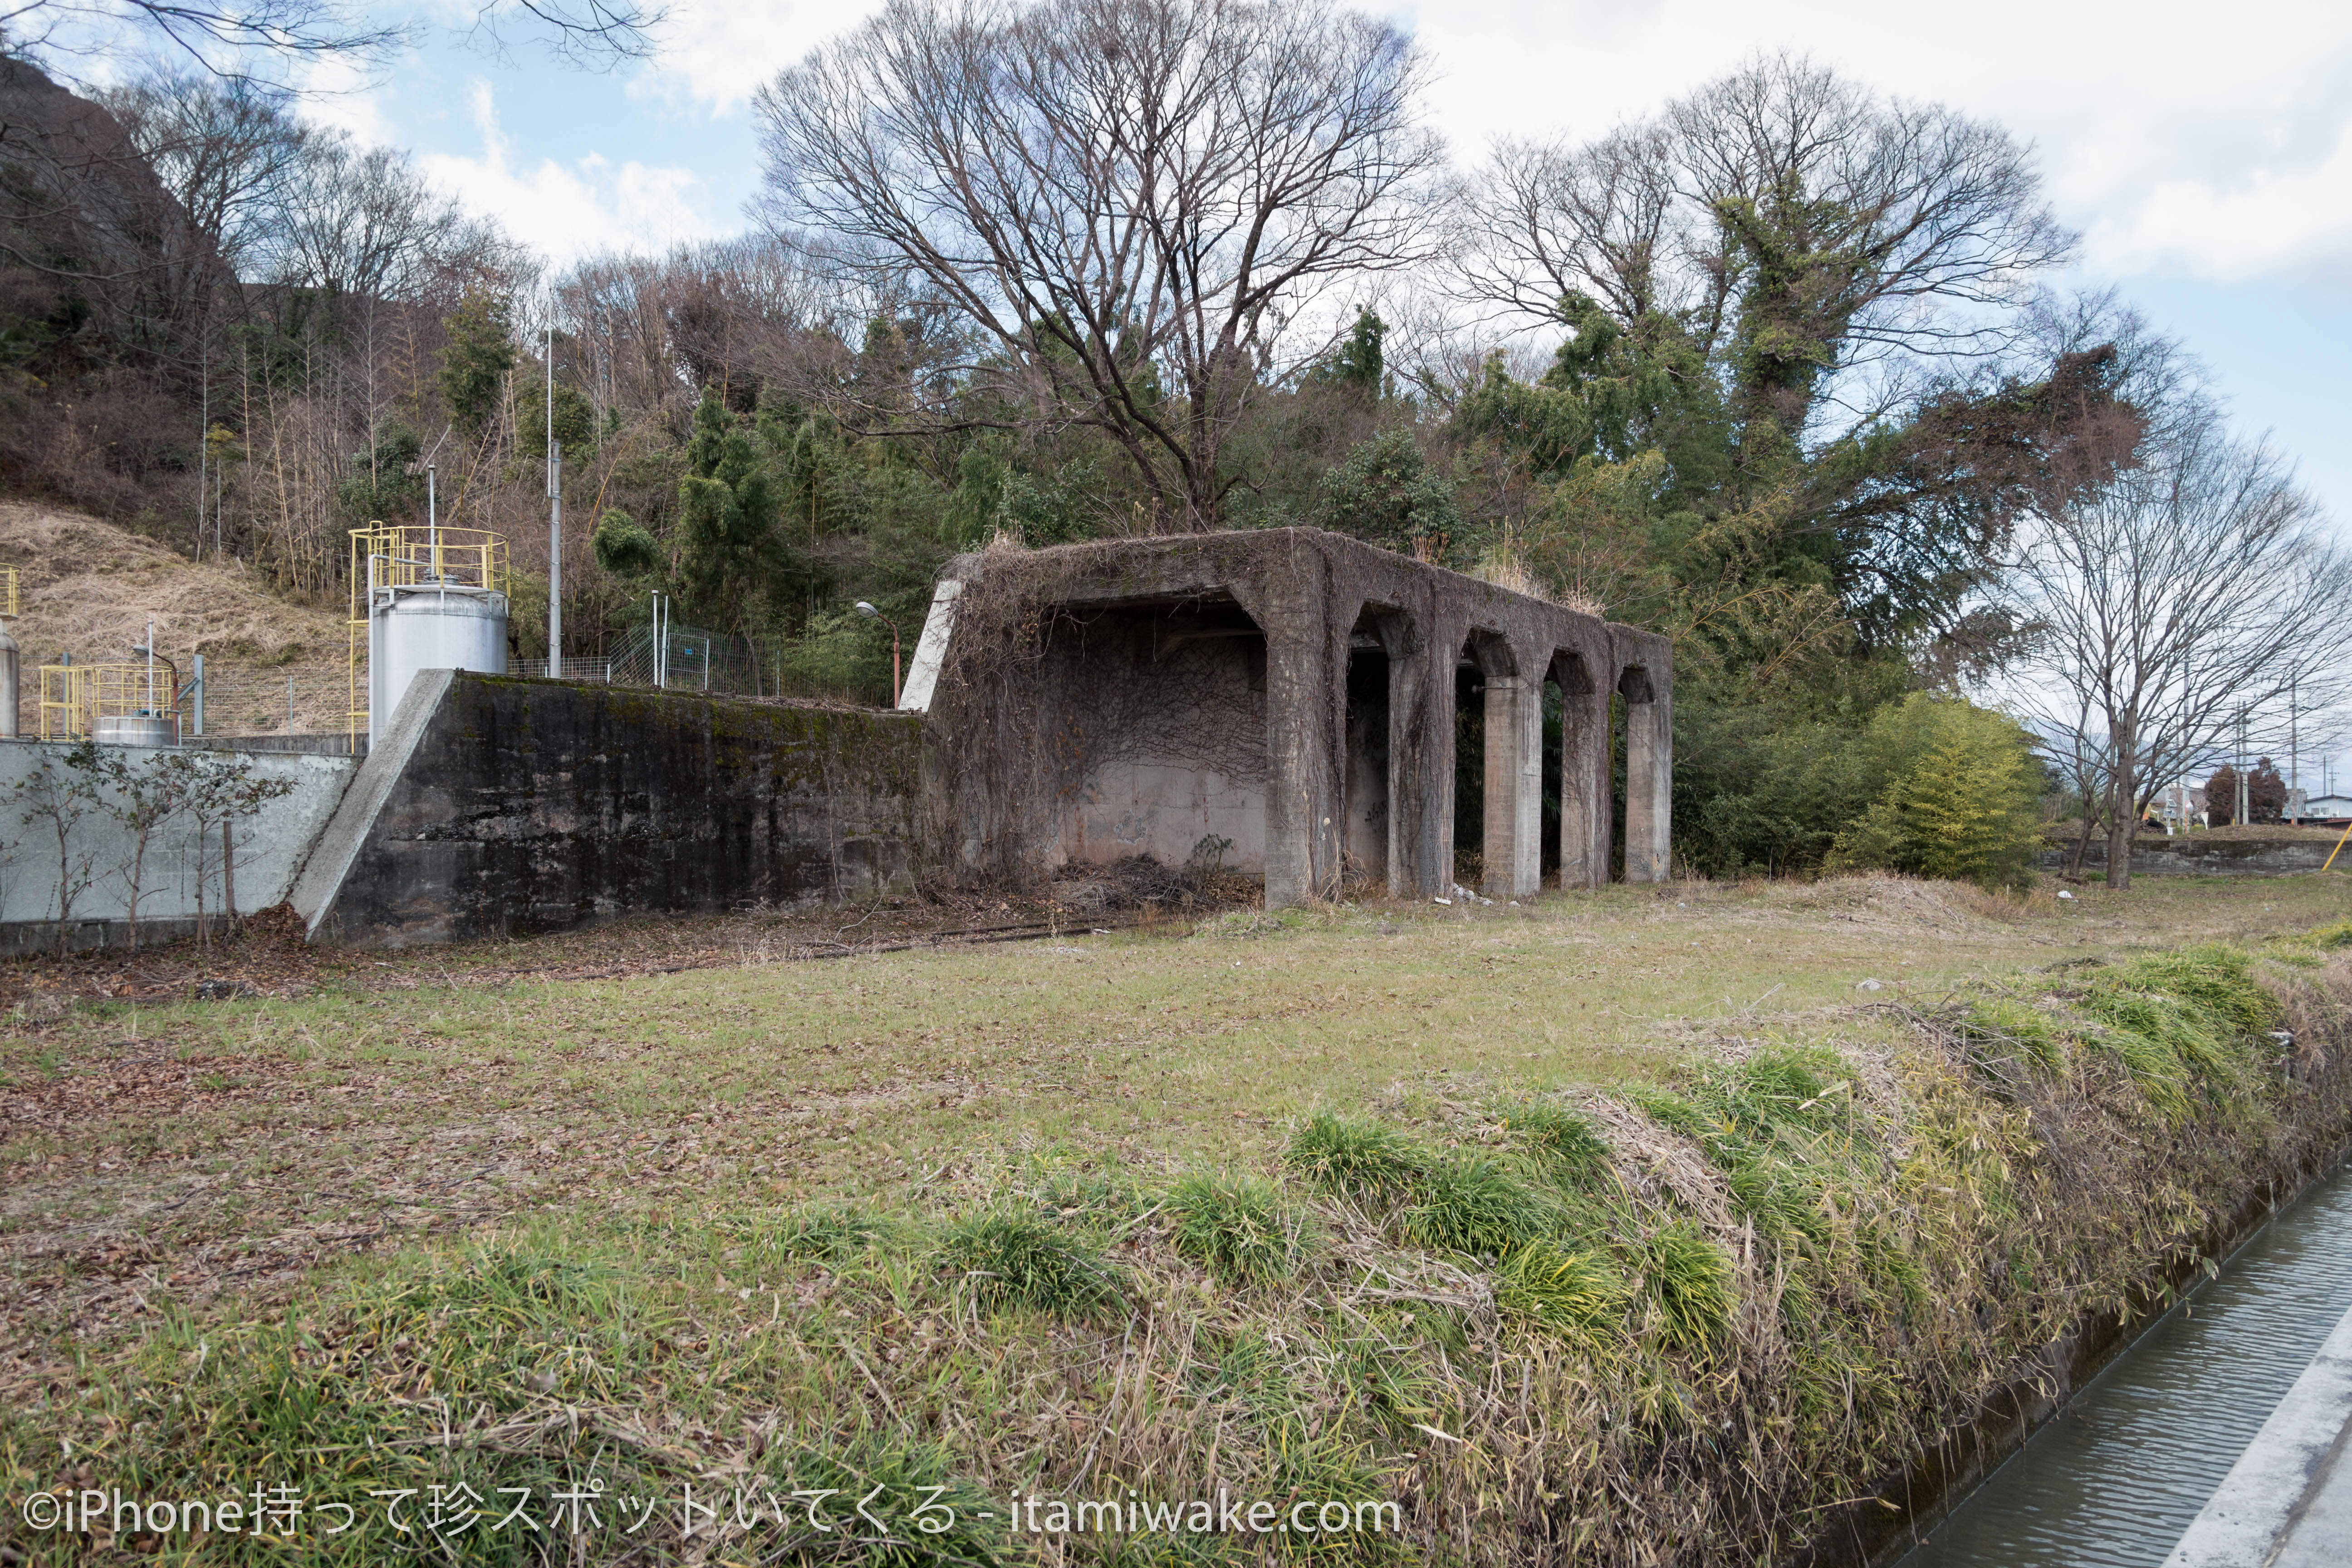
[(204, 428), (432, 522), (2244, 795), (554, 523)]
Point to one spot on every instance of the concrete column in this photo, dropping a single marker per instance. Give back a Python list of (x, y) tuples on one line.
[(1649, 783), (1421, 763), (1513, 850), (1305, 709), (1584, 789)]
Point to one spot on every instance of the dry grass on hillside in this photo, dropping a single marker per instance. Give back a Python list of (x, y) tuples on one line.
[(89, 589)]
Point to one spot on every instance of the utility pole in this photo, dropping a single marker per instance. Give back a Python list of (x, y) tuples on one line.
[(555, 524), (2243, 796)]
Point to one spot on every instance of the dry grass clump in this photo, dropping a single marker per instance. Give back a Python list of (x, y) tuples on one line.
[(90, 588), (1015, 1259), (1239, 1227)]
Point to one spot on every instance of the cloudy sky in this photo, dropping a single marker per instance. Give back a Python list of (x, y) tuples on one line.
[(2205, 155)]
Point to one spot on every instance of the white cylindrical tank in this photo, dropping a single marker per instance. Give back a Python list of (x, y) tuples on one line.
[(137, 730), (8, 665), (429, 628)]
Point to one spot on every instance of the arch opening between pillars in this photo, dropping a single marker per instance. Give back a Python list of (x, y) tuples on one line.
[(1498, 769), (1366, 833)]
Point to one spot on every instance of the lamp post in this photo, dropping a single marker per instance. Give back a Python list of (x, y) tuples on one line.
[(872, 614)]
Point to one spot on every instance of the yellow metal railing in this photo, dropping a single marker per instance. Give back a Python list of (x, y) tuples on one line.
[(75, 697), (8, 592), (410, 555)]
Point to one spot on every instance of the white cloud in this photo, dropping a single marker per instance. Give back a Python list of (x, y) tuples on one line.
[(717, 52), (340, 95), (2181, 144), (569, 210)]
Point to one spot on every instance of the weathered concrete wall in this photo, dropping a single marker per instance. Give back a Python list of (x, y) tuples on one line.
[(268, 848), (1171, 727), (494, 805), (2206, 855), (1057, 727)]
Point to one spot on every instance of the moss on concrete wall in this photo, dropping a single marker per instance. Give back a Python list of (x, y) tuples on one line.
[(532, 805)]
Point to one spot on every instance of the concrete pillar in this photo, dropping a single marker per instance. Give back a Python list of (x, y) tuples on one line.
[(1584, 787), (1649, 780), (1306, 713), (1513, 850), (1421, 761)]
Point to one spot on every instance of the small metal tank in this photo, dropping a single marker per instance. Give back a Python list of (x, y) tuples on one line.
[(429, 626), (137, 730), (8, 673)]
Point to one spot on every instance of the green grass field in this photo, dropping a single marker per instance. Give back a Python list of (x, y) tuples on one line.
[(1034, 1214)]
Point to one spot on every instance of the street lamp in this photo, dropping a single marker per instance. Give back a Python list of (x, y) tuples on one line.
[(872, 614)]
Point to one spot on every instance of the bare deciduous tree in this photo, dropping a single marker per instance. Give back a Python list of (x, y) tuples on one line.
[(1785, 215), (2195, 585), (1132, 201), (251, 39)]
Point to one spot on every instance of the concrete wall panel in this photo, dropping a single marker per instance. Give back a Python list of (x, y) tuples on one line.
[(496, 807)]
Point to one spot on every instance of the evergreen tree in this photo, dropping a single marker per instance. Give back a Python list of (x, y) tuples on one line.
[(476, 361), (730, 552)]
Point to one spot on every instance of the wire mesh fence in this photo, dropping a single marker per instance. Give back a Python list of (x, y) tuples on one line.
[(686, 658), (309, 700)]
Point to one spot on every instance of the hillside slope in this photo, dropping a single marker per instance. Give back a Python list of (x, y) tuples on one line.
[(89, 589)]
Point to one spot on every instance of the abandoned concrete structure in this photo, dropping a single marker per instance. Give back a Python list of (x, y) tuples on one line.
[(1286, 700)]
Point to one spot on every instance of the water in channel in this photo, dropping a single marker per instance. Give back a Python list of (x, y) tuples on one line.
[(2114, 1482)]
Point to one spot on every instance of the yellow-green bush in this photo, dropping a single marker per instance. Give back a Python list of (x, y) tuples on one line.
[(1959, 797)]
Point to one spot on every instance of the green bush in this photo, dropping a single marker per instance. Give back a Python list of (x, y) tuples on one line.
[(1959, 796), (1560, 1143), (1688, 1278), (828, 1231), (1473, 1203), (1565, 1290)]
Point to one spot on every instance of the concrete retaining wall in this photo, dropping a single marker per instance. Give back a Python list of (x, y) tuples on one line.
[(2204, 855), (270, 849), (495, 806)]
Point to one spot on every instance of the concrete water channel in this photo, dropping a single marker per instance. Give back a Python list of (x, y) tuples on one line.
[(2220, 1438)]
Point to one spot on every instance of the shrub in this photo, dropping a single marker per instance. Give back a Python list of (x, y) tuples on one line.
[(1960, 797), (1357, 1159), (1237, 1227), (1018, 1259)]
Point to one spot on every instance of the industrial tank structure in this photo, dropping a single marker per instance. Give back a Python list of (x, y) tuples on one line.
[(426, 598), (9, 658)]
